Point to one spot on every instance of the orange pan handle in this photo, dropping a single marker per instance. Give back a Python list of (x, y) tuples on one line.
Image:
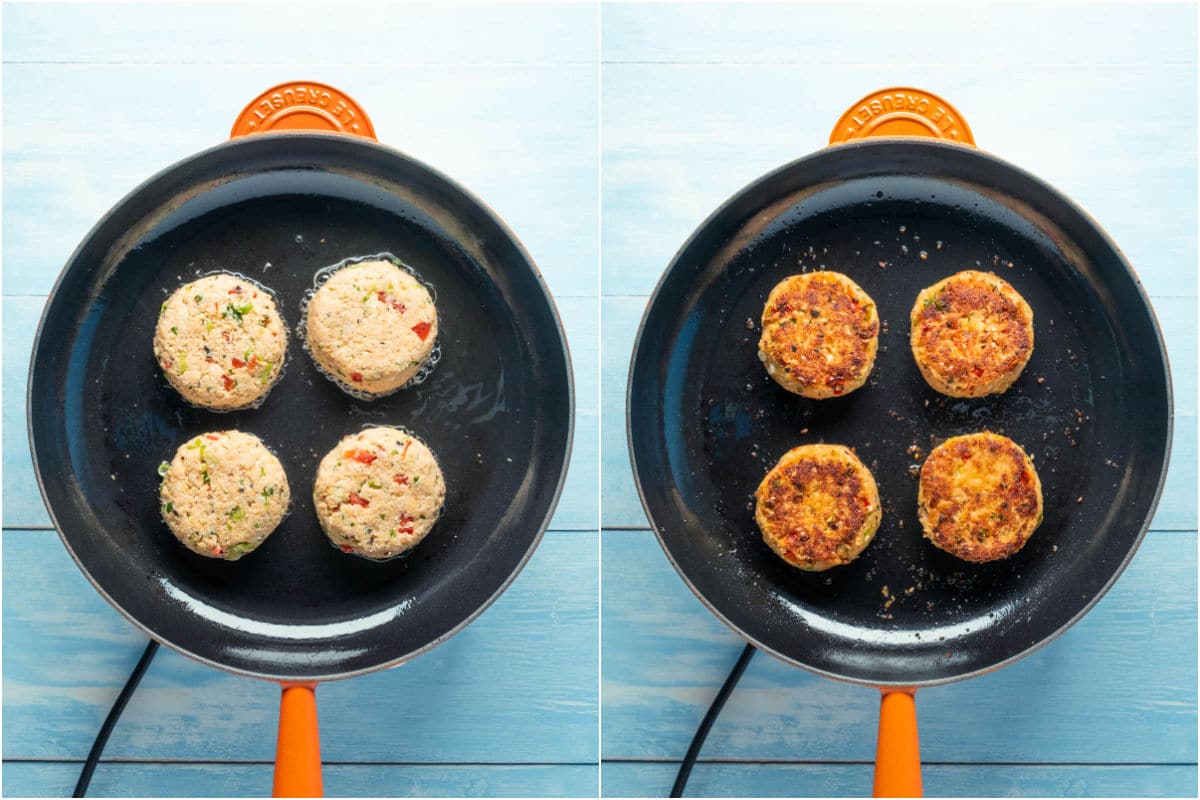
[(298, 750), (902, 111), (898, 752), (303, 106)]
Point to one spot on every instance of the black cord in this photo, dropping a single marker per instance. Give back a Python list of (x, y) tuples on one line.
[(110, 722), (689, 760)]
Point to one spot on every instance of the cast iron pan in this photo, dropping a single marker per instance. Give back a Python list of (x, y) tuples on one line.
[(1093, 409), (496, 410)]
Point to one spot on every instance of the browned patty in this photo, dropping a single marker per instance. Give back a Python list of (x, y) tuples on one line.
[(979, 498), (971, 334), (820, 333), (818, 507)]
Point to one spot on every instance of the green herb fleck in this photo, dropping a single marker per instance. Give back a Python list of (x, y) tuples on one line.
[(162, 468), (199, 297), (241, 548), (204, 474), (237, 513), (174, 329), (238, 311), (169, 508), (374, 484)]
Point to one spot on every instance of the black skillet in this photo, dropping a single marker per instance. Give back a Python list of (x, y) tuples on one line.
[(1093, 408), (497, 410)]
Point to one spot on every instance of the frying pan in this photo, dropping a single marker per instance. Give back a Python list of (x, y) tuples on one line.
[(497, 409), (1093, 409)]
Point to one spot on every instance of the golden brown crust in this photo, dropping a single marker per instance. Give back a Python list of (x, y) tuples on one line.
[(971, 334), (820, 333), (979, 498), (818, 507)]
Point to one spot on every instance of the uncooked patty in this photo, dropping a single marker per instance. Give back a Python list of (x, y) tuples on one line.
[(223, 493), (971, 334), (371, 326), (379, 492), (221, 342), (979, 498), (818, 507), (820, 333)]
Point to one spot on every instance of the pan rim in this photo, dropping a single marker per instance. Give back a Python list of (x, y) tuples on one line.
[(933, 146), (341, 140)]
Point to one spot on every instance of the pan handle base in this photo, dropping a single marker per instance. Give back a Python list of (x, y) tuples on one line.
[(898, 751), (298, 749)]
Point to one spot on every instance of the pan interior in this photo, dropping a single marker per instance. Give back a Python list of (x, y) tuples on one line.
[(495, 410), (1091, 408)]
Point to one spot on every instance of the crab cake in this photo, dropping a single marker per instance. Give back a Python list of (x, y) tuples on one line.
[(820, 333), (818, 507), (378, 492), (979, 497), (223, 493), (221, 342), (371, 327), (971, 335)]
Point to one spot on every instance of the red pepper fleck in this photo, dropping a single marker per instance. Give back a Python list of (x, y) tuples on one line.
[(167, 363), (238, 363), (421, 329), (401, 479), (252, 363), (356, 499), (217, 551), (346, 548), (404, 452), (236, 290), (356, 377), (362, 456), (212, 436), (978, 372), (229, 382), (396, 306), (405, 525)]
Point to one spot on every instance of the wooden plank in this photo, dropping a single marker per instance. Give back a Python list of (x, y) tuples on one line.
[(577, 508), (117, 779), (621, 507), (940, 780), (307, 34), (679, 140), (1119, 687), (963, 35), (518, 685), (521, 138)]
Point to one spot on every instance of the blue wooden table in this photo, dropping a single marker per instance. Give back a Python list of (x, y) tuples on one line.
[(98, 98), (1098, 100)]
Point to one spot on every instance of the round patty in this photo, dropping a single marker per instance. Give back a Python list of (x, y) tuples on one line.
[(971, 335), (378, 492), (223, 493), (818, 507), (221, 342), (820, 333), (371, 326), (980, 498)]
